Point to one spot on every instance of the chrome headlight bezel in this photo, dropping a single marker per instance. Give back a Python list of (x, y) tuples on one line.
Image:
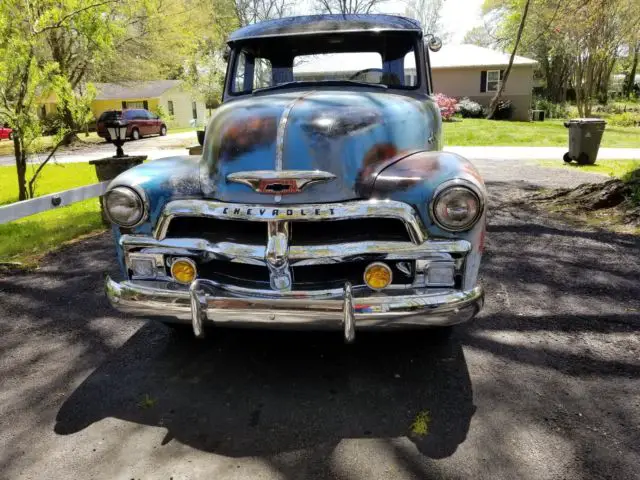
[(446, 187), (134, 194)]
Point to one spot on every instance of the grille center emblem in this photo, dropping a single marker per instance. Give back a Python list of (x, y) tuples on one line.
[(276, 182), (282, 187), (277, 256)]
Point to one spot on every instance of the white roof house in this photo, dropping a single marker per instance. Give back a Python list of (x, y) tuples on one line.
[(464, 56)]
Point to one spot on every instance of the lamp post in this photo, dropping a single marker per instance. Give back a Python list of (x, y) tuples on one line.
[(109, 168), (118, 133)]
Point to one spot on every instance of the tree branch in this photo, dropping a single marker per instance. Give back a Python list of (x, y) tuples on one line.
[(62, 141), (69, 15)]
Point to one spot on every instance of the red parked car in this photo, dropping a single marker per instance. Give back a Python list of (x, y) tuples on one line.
[(141, 123), (6, 132)]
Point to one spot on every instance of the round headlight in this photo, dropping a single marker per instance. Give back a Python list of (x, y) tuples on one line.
[(124, 206), (456, 208)]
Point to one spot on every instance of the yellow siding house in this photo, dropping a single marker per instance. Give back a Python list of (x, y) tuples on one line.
[(176, 101)]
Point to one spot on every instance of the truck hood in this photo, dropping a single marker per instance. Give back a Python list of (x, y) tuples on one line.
[(349, 134)]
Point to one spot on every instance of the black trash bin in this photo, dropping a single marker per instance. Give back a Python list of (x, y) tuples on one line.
[(585, 135)]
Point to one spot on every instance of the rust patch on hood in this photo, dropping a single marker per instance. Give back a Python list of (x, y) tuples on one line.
[(246, 134)]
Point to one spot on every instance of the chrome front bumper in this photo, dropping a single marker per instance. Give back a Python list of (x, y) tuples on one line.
[(348, 309)]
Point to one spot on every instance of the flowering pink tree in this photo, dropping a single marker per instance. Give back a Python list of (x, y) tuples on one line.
[(447, 106)]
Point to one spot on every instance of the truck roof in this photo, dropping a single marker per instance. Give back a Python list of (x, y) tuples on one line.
[(323, 24)]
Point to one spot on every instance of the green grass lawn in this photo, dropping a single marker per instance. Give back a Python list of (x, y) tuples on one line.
[(26, 239), (182, 129), (613, 168), (550, 133)]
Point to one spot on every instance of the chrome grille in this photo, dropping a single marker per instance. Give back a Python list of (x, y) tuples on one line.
[(301, 247)]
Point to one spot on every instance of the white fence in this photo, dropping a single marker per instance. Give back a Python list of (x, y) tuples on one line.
[(18, 210)]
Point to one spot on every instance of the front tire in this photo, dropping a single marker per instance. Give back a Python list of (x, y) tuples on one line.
[(163, 130), (135, 134), (10, 136)]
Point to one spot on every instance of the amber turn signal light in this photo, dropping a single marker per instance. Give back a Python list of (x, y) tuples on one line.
[(378, 275), (183, 270)]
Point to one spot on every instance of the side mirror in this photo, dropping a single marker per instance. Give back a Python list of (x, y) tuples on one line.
[(226, 54), (433, 43)]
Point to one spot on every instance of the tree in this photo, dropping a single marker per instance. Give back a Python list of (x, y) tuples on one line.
[(26, 72), (347, 6), (595, 32), (78, 34), (252, 11), (577, 42), (539, 40), (206, 77), (496, 98), (481, 36), (429, 14)]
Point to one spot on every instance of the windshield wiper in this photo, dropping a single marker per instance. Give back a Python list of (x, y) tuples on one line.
[(307, 83)]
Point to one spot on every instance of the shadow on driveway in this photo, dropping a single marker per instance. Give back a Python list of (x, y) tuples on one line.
[(249, 393)]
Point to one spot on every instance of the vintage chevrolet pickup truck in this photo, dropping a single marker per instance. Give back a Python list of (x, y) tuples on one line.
[(322, 198)]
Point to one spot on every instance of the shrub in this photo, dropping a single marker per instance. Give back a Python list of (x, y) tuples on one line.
[(51, 123), (469, 109), (617, 108), (447, 106), (552, 110), (162, 113), (627, 119)]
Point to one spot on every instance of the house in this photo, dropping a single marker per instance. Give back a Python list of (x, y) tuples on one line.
[(475, 72), (182, 107), (174, 99), (458, 71)]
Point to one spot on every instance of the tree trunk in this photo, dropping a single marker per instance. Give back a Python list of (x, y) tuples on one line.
[(67, 118), (21, 166), (630, 80), (493, 106)]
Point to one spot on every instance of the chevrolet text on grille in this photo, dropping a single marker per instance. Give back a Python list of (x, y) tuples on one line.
[(277, 212)]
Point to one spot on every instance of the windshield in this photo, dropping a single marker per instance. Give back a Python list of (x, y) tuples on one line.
[(387, 60)]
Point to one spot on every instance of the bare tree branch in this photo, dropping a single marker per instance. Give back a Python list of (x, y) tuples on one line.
[(252, 11), (347, 6)]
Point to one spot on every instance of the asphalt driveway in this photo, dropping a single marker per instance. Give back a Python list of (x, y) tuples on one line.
[(543, 385)]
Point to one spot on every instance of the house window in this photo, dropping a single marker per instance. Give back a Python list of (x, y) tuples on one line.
[(170, 107), (133, 104), (194, 110), (493, 80)]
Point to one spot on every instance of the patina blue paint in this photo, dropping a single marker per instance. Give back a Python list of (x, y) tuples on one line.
[(343, 132)]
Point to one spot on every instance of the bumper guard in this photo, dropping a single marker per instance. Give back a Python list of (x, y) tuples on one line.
[(207, 303)]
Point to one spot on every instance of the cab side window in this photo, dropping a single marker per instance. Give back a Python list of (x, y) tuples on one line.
[(251, 73)]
